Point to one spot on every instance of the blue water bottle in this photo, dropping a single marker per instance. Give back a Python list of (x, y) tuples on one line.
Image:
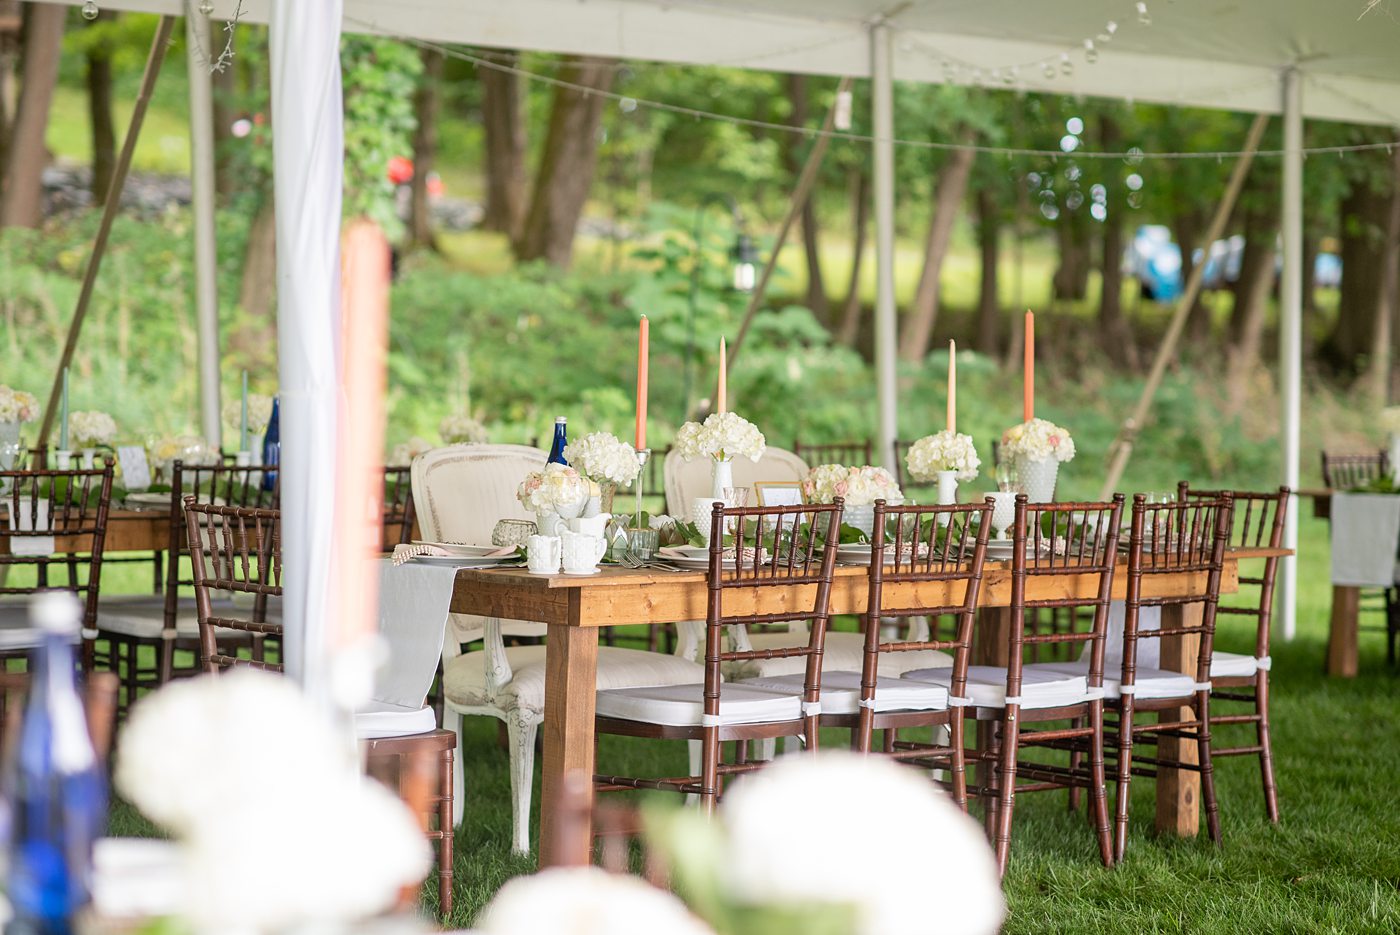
[(272, 446), (55, 784), (561, 438)]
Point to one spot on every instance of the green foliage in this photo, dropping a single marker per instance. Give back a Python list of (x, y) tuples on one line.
[(379, 78)]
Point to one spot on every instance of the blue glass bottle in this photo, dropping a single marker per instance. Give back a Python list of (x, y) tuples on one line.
[(55, 784), (561, 438), (272, 446)]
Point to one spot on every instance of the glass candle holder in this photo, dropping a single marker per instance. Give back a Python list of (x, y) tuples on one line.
[(643, 543), (512, 532)]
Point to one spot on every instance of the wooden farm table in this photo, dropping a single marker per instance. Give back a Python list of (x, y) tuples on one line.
[(127, 531), (1343, 632), (575, 608)]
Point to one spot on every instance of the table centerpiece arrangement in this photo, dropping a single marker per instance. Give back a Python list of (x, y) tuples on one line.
[(16, 407), (944, 457), (459, 428), (1036, 448), (722, 437), (859, 487), (1390, 424), (555, 493), (90, 431), (608, 463)]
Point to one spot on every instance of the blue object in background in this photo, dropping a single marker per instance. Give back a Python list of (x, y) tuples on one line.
[(561, 438), (55, 785), (272, 445)]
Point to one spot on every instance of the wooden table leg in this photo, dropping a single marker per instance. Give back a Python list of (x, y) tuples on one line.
[(571, 680), (1179, 790), (1341, 639)]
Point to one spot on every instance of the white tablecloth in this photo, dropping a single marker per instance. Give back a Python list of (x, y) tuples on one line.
[(413, 604), (1365, 532)]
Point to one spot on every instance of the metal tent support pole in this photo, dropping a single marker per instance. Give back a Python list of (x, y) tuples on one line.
[(1291, 334), (882, 110), (206, 286)]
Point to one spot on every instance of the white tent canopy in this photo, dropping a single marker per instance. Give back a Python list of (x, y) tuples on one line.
[(1301, 58)]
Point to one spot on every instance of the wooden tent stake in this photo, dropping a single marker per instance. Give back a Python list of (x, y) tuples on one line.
[(800, 194), (1122, 448), (159, 45)]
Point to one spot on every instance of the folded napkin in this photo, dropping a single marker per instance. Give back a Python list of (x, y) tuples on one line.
[(31, 522), (1365, 530), (686, 554), (407, 551)]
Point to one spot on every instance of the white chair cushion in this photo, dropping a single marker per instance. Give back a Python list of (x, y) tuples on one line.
[(1232, 665), (377, 719), (841, 692), (1041, 686), (1151, 682), (143, 616), (842, 652), (682, 705), (464, 676)]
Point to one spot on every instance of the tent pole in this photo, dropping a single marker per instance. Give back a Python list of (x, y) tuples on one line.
[(206, 287), (1290, 335), (154, 59), (882, 110), (806, 181), (1122, 448)]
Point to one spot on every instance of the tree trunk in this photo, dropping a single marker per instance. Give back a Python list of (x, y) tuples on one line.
[(860, 212), (425, 144), (1186, 229), (567, 162), (947, 199), (1378, 376), (260, 267), (988, 299), (104, 134), (23, 202), (792, 162), (503, 121), (225, 94), (1071, 279), (11, 21), (1115, 337), (1364, 217), (1251, 295)]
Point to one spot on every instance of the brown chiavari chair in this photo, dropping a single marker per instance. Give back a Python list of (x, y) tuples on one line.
[(166, 623), (1049, 541), (1178, 538), (398, 507), (1258, 521), (1346, 471), (848, 453), (69, 507), (615, 836), (238, 549), (747, 590)]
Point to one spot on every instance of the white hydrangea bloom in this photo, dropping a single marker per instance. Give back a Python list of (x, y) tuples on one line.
[(921, 850), (408, 451), (944, 451), (1390, 420), (722, 436), (586, 901), (461, 429), (255, 762), (259, 413), (603, 457), (555, 486), (190, 449), (1037, 440), (91, 429), (17, 405), (858, 486)]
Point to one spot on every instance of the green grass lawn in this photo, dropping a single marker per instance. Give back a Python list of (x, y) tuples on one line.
[(1332, 865)]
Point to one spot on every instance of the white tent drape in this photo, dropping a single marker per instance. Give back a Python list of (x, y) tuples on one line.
[(308, 148)]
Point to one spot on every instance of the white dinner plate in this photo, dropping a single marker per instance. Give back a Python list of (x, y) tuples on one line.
[(147, 499), (462, 548), (462, 561)]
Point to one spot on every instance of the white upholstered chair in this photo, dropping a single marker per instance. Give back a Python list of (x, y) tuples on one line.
[(460, 492)]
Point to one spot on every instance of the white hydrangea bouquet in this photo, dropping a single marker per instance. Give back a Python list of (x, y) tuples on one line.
[(603, 458), (259, 413), (406, 452), (92, 429), (1037, 440), (245, 731), (460, 428), (858, 486), (190, 449), (17, 405), (723, 436), (556, 489), (943, 451)]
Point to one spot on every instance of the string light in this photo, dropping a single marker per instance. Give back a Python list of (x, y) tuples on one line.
[(90, 11), (1133, 156), (1091, 54), (1066, 66), (1144, 18)]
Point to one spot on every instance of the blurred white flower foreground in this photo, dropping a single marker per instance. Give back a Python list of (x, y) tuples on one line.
[(277, 826)]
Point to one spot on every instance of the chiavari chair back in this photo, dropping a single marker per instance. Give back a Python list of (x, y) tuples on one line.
[(768, 565), (398, 507), (233, 550), (1347, 471), (55, 523), (847, 453), (1257, 523), (1187, 539)]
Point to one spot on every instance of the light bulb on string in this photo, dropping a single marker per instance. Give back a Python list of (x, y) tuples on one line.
[(207, 7), (1049, 71), (1066, 66), (1091, 54), (1011, 76), (1144, 18), (1109, 29), (90, 10)]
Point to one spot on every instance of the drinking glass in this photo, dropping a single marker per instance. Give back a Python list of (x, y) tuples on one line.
[(1006, 476)]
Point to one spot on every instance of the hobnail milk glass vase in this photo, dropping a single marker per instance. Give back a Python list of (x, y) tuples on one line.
[(1394, 455), (9, 450), (721, 477), (1037, 479)]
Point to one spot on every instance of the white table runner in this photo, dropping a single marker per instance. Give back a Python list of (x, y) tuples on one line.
[(1365, 532), (414, 600)]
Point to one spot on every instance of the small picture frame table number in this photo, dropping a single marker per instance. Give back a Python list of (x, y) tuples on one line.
[(779, 493), (136, 470)]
